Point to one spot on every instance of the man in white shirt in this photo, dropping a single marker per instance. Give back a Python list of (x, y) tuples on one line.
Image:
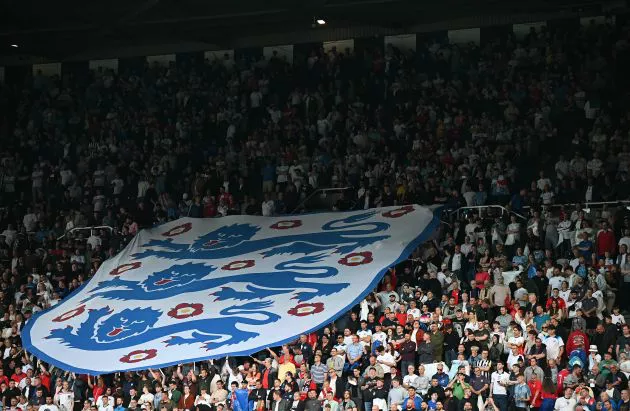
[(517, 340), (411, 379), (513, 232), (268, 206), (282, 172), (365, 335), (562, 168), (456, 260), (106, 405), (386, 360), (499, 381), (106, 399), (10, 233), (379, 335), (65, 397), (543, 181), (554, 344), (203, 397), (442, 276), (555, 282), (50, 406), (413, 310), (29, 220), (565, 403)]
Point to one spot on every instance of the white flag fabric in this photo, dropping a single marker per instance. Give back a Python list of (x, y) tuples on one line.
[(195, 289)]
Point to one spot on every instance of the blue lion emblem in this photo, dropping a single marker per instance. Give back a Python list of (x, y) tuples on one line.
[(341, 235), (298, 275), (105, 329)]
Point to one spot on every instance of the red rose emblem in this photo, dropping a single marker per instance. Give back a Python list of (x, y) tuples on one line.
[(355, 259), (125, 267), (238, 265), (286, 224), (304, 309), (399, 212), (180, 229), (70, 314), (185, 310), (138, 356)]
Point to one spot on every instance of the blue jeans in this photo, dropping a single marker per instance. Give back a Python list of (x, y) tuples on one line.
[(449, 356), (501, 401), (367, 406), (349, 367)]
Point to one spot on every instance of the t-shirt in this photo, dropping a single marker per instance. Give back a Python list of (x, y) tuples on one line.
[(364, 333), (553, 345), (66, 400), (521, 391), (556, 282), (282, 173), (411, 381), (387, 357), (495, 378), (477, 383)]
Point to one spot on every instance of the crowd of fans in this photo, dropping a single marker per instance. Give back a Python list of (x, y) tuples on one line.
[(507, 312)]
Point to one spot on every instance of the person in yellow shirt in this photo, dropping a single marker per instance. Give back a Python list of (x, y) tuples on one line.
[(286, 362)]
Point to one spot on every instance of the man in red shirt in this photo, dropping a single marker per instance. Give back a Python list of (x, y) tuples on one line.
[(3, 378), (555, 296), (606, 240), (18, 375)]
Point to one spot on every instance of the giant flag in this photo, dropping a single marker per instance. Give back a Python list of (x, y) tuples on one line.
[(195, 289)]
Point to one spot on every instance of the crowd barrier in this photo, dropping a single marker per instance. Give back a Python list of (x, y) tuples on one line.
[(77, 229)]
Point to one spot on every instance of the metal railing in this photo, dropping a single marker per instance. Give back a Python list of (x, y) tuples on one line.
[(591, 209), (96, 227), (504, 211), (323, 193)]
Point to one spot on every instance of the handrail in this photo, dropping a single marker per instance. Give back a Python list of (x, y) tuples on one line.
[(96, 227), (317, 191), (485, 207), (586, 204)]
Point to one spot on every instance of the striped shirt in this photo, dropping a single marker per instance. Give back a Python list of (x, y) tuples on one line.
[(481, 363), (318, 373)]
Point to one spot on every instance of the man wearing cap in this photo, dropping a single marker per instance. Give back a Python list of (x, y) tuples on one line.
[(392, 303), (384, 296)]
